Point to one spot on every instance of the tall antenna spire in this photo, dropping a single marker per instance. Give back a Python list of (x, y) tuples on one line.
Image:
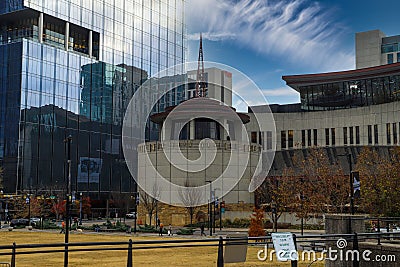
[(201, 90)]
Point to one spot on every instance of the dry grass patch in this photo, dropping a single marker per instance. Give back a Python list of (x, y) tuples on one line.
[(197, 256)]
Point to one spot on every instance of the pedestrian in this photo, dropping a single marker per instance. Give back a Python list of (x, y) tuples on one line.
[(161, 228), (202, 230), (170, 230), (62, 227), (158, 222)]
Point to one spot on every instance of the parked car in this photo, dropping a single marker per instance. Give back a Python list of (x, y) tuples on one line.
[(35, 221), (131, 215), (19, 222)]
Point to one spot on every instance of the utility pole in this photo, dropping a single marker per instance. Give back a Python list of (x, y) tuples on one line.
[(80, 208), (210, 209), (68, 141)]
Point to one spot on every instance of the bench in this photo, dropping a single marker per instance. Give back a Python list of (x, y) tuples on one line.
[(314, 246)]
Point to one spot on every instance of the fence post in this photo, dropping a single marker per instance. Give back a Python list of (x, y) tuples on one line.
[(129, 262), (13, 255), (220, 260), (379, 232), (356, 262), (293, 263)]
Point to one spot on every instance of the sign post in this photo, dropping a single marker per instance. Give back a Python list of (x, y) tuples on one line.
[(285, 248)]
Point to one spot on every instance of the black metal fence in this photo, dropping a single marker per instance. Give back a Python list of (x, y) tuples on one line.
[(302, 242)]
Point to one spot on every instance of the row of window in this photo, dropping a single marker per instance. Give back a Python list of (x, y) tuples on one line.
[(351, 135), (390, 58), (347, 94), (264, 139), (389, 48)]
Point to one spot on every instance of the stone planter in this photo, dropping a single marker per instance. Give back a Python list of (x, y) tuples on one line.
[(30, 227), (10, 229)]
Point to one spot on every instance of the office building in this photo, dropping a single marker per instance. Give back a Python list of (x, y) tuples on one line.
[(69, 68), (374, 48)]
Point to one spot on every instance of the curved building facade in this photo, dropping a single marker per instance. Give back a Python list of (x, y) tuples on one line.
[(340, 112)]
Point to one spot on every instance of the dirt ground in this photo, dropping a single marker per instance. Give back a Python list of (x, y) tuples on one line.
[(195, 256)]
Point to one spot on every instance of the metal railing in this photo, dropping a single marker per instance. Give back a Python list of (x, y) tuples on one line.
[(311, 241)]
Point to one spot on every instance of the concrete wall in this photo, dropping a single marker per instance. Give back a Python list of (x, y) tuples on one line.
[(226, 153), (368, 49), (342, 224)]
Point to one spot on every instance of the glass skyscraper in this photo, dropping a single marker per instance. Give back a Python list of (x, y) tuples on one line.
[(70, 67)]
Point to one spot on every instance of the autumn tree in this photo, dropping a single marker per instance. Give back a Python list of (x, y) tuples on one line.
[(256, 223), (275, 195), (323, 187), (311, 185), (380, 182), (120, 201)]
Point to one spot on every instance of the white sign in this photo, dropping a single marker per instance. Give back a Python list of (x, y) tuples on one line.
[(284, 246)]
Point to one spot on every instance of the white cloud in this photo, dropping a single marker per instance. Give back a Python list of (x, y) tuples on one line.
[(300, 30), (283, 91)]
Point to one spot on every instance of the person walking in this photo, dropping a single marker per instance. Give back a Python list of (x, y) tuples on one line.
[(161, 229), (62, 227), (169, 230), (202, 230)]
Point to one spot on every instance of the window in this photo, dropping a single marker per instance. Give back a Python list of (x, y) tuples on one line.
[(309, 137), (351, 135), (394, 125), (369, 134), (389, 58), (254, 137), (260, 139), (398, 57), (327, 136), (357, 135), (333, 136), (315, 137), (303, 138), (290, 138), (388, 134), (283, 139), (376, 135), (269, 140), (345, 135)]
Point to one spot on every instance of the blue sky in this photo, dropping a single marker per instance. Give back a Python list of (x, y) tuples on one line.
[(266, 39)]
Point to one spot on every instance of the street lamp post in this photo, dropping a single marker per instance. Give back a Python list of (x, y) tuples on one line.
[(351, 194), (135, 198), (80, 208), (274, 216), (210, 209), (28, 201), (68, 141)]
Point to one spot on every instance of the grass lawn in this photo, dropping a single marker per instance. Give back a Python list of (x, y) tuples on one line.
[(197, 256)]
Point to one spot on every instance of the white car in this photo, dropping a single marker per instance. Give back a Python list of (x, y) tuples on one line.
[(131, 215)]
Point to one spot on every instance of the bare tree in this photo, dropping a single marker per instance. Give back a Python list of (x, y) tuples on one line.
[(191, 198), (149, 202)]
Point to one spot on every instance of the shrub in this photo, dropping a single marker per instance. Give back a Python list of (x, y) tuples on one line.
[(257, 224), (185, 231)]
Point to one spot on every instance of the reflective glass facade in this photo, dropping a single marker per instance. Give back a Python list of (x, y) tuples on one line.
[(70, 67), (352, 93)]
